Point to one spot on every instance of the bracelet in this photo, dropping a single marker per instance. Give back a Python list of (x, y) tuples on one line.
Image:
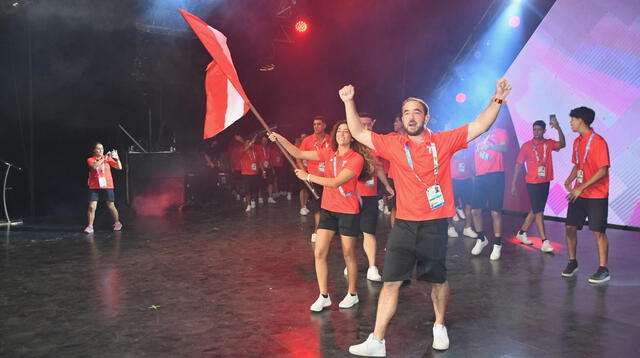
[(499, 100), (308, 178)]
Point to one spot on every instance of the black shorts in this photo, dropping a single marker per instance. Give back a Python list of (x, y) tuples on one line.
[(341, 224), (251, 184), (314, 205), (538, 194), (462, 190), (391, 202), (106, 194), (369, 214), (424, 242), (597, 210), (488, 191), (269, 178)]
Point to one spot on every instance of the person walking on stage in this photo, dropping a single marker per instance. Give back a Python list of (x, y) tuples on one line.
[(101, 184), (422, 175), (462, 192), (536, 154), (589, 197), (344, 162)]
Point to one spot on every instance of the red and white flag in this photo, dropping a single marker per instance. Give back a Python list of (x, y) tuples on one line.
[(226, 100)]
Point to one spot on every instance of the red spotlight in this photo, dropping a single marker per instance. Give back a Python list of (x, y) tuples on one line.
[(301, 26), (461, 97), (514, 21)]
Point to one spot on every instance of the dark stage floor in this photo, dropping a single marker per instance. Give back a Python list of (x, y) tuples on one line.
[(213, 283)]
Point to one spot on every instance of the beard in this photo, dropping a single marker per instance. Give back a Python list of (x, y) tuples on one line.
[(418, 130)]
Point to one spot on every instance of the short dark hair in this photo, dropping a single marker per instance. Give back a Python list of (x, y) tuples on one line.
[(319, 118), (540, 123), (585, 113)]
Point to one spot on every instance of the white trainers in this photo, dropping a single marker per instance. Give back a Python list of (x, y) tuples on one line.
[(238, 197), (289, 196), (452, 232), (456, 218), (348, 301), (381, 205), (369, 348), (271, 201), (304, 211), (468, 232), (260, 201), (320, 303), (461, 214), (253, 203), (523, 238), (440, 338), (248, 208), (480, 244), (546, 246), (345, 272), (373, 274), (313, 237), (386, 210), (88, 230), (495, 253)]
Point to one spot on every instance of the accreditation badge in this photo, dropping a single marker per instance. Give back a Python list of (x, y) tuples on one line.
[(321, 167), (580, 176), (434, 194), (254, 167), (461, 168), (102, 182), (266, 164), (370, 182), (542, 171)]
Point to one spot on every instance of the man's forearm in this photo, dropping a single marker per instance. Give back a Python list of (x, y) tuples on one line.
[(561, 140), (484, 121), (353, 119)]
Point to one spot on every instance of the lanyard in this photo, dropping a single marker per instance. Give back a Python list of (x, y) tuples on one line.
[(586, 151), (264, 151), (252, 155), (324, 142), (432, 145), (535, 151), (335, 175), (100, 169)]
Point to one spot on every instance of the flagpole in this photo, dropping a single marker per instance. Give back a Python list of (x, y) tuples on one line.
[(286, 154)]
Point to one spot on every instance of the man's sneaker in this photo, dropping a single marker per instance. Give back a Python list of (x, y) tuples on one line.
[(468, 232), (571, 269), (349, 301), (289, 196), (440, 338), (461, 214), (602, 275), (373, 274), (386, 210), (238, 197), (253, 203), (456, 218), (88, 230), (523, 238), (313, 237), (480, 244), (452, 232), (271, 201), (248, 208), (495, 253), (381, 205), (546, 246), (369, 348), (320, 303), (260, 201), (117, 226), (304, 211)]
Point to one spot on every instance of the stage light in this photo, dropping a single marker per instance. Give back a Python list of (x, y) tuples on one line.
[(461, 97), (301, 26), (517, 1), (514, 21)]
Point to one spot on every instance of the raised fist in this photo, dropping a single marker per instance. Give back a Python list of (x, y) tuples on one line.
[(503, 88), (346, 93)]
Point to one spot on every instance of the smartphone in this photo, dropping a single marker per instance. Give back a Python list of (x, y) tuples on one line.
[(552, 117)]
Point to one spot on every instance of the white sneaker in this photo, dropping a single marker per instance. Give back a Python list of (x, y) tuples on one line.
[(248, 208), (452, 232), (373, 274), (461, 214), (440, 338), (238, 197), (348, 301), (523, 238), (288, 196), (468, 232), (345, 272), (456, 218), (313, 237), (381, 205), (546, 246), (271, 201), (320, 303), (304, 211), (480, 244), (495, 253), (386, 210), (369, 348), (88, 230), (260, 201), (253, 203)]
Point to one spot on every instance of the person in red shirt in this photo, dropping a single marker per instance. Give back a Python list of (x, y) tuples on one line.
[(462, 192), (235, 157), (589, 197), (422, 173), (319, 139), (280, 184), (488, 188), (297, 184), (268, 179), (251, 172), (536, 154), (101, 184), (344, 162)]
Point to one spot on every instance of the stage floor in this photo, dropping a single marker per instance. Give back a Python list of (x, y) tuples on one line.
[(222, 283)]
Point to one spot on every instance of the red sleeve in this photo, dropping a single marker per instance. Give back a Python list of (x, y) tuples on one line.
[(91, 161), (305, 144), (553, 144), (356, 164), (112, 162), (601, 151), (381, 144), (521, 155), (455, 139)]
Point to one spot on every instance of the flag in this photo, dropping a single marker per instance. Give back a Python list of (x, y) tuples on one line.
[(226, 100)]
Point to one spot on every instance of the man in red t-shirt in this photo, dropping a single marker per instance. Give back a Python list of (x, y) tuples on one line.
[(422, 174), (488, 188), (589, 198), (318, 140), (101, 184), (462, 180), (536, 154), (251, 171)]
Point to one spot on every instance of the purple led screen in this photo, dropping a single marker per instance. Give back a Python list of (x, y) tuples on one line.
[(585, 53)]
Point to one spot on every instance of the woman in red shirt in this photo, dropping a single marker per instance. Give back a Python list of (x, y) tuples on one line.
[(101, 184), (344, 161)]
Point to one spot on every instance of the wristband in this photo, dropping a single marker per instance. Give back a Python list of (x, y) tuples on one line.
[(499, 100), (308, 178)]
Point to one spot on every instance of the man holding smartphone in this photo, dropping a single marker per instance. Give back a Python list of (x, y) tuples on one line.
[(536, 155)]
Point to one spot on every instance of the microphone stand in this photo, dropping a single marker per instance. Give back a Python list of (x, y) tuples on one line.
[(8, 223)]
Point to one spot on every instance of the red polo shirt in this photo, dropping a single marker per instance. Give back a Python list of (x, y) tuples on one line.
[(102, 170), (332, 198), (597, 157), (250, 161), (461, 165), (277, 158), (537, 153), (312, 143), (370, 187), (412, 199), (490, 161)]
